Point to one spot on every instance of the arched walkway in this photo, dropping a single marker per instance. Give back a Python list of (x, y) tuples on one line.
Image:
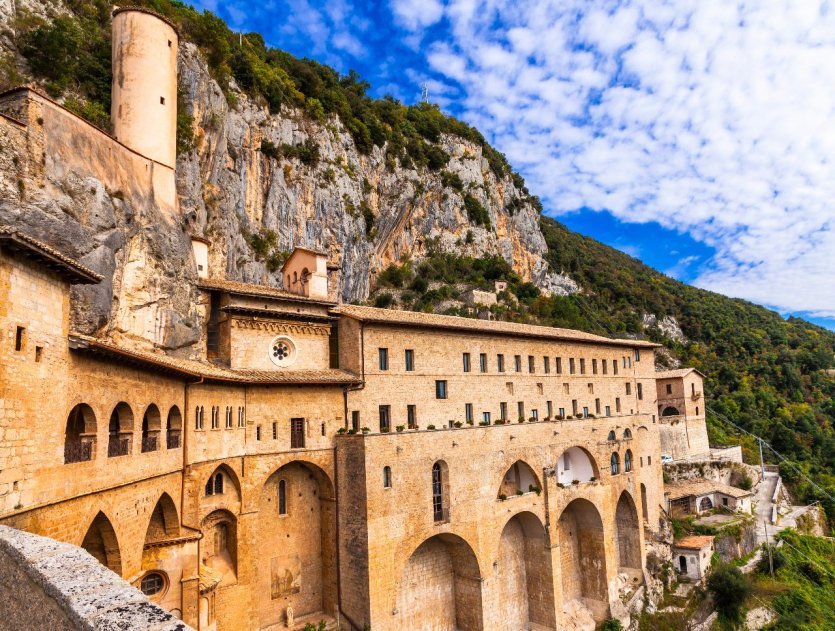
[(440, 587), (297, 532), (101, 542), (120, 431), (150, 429), (173, 428), (519, 477), (525, 575), (583, 557), (628, 539), (80, 434), (576, 463)]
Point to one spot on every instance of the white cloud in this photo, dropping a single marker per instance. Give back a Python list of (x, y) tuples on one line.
[(416, 15), (709, 117)]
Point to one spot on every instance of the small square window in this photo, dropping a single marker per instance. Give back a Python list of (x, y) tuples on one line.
[(162, 100), (38, 353)]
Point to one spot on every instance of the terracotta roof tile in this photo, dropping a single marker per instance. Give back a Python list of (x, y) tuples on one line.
[(252, 289), (432, 320), (72, 270), (191, 368), (694, 542), (676, 374), (686, 488)]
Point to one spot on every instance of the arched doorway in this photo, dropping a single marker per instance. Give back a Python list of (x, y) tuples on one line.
[(525, 575), (670, 411), (80, 434), (705, 504), (682, 564), (576, 464), (440, 587), (219, 545), (628, 540), (583, 558), (297, 532), (519, 479), (101, 542)]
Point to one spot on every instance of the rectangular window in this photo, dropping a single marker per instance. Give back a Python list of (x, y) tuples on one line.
[(574, 407), (509, 386), (500, 362), (637, 354), (440, 389), (669, 388), (549, 408), (539, 389), (520, 408), (649, 460), (275, 431), (594, 366), (640, 391), (410, 360), (215, 417), (466, 360), (628, 388), (503, 410), (597, 406), (603, 362), (38, 353), (591, 388), (517, 359), (614, 366), (482, 362), (411, 416), (19, 337), (296, 433), (241, 417), (693, 389), (384, 359), (355, 420), (535, 414), (546, 365), (585, 412), (257, 432), (468, 413), (582, 366), (566, 388), (531, 364), (561, 412), (228, 417), (608, 410), (629, 362), (617, 405), (571, 366), (485, 417), (558, 361), (385, 418)]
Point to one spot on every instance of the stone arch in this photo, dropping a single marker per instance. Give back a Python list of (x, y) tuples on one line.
[(80, 434), (151, 424), (576, 463), (583, 557), (228, 487), (519, 477), (526, 597), (440, 587), (120, 430), (302, 571), (628, 539), (219, 545), (705, 504), (164, 522), (102, 543), (440, 491), (670, 411), (627, 434), (173, 428)]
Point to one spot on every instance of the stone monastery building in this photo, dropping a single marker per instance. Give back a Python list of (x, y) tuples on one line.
[(386, 469)]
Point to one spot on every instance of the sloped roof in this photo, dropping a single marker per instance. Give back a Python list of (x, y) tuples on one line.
[(189, 369), (686, 488), (254, 290), (677, 374), (694, 542), (71, 270), (435, 321)]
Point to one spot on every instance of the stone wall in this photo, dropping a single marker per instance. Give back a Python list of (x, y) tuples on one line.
[(45, 584)]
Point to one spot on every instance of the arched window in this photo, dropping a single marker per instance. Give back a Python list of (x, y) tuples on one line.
[(611, 437), (627, 460), (282, 497), (437, 492), (120, 431), (615, 463), (173, 428), (80, 434), (387, 477), (150, 429), (627, 433), (218, 483)]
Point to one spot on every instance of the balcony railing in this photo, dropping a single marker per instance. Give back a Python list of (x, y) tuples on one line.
[(173, 440), (149, 443), (118, 447), (78, 452)]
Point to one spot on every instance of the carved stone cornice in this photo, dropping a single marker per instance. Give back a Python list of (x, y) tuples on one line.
[(286, 328)]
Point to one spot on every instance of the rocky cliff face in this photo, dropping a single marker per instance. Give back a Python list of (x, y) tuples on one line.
[(364, 212)]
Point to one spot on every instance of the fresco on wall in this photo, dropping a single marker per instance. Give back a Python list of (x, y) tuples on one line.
[(285, 576)]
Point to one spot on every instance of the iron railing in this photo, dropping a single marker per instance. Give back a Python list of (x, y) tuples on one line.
[(173, 440), (118, 447), (149, 443), (78, 452)]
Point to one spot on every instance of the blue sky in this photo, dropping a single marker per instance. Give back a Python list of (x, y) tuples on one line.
[(696, 135)]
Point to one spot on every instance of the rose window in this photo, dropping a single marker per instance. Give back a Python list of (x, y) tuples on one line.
[(282, 351)]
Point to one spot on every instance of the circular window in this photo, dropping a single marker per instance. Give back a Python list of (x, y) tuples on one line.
[(282, 351), (152, 584)]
